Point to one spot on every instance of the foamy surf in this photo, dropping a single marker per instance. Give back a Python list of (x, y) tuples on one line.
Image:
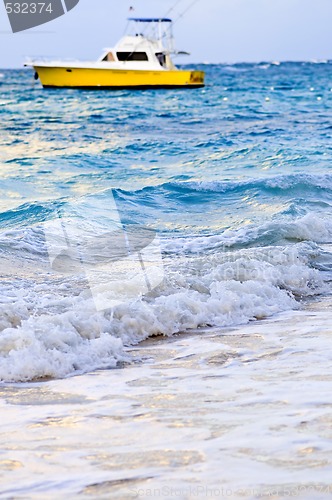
[(50, 327)]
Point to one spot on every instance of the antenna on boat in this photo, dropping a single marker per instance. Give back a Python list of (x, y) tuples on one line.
[(173, 8), (184, 12)]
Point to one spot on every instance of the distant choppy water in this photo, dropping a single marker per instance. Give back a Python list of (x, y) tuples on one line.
[(235, 178)]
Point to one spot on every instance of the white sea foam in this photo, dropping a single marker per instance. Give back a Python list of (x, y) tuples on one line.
[(311, 227), (51, 329)]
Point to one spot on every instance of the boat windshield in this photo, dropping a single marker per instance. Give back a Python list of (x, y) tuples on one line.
[(132, 56)]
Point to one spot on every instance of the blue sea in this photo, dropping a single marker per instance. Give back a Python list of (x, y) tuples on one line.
[(203, 367)]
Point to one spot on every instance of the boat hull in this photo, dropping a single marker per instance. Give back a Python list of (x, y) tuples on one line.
[(97, 78)]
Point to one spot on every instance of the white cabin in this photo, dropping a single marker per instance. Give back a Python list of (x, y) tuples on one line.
[(137, 52)]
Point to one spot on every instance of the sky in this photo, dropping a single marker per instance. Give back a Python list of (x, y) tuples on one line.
[(215, 31)]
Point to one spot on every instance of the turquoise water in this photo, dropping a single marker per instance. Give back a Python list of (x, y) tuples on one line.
[(235, 179)]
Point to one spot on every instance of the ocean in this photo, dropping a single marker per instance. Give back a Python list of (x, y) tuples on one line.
[(165, 306)]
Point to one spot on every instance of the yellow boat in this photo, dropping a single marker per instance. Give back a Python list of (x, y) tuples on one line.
[(139, 60)]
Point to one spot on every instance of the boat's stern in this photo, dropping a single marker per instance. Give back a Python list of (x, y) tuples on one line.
[(197, 78)]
